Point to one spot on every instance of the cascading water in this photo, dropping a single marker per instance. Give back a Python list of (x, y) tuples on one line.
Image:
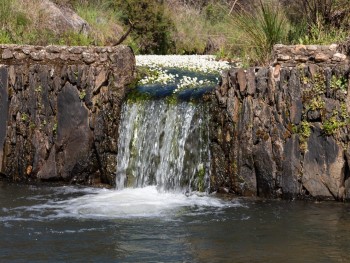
[(164, 133), (163, 144)]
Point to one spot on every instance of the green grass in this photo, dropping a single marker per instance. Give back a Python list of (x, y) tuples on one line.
[(260, 30), (247, 33), (103, 20)]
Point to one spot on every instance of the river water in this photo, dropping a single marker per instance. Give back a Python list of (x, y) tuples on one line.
[(66, 224)]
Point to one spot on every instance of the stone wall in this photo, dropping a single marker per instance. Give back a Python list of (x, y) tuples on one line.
[(282, 131), (59, 112), (325, 56)]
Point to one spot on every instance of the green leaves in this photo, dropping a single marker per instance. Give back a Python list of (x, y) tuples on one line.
[(262, 29), (151, 28)]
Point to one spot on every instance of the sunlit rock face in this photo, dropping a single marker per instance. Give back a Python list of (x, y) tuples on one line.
[(60, 110), (282, 130)]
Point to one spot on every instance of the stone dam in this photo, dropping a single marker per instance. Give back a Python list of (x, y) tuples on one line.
[(60, 110), (274, 131)]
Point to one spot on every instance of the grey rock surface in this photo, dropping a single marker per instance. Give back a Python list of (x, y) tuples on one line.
[(59, 117), (287, 126)]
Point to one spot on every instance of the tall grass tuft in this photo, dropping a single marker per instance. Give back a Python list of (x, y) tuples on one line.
[(260, 30), (103, 20)]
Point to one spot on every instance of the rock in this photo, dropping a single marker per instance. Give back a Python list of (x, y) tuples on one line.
[(7, 54), (301, 59), (241, 79), (101, 79), (63, 19), (45, 113), (320, 57), (295, 97), (73, 132), (19, 56), (324, 166), (282, 144), (333, 47), (338, 57), (88, 58), (265, 168), (38, 56), (251, 82), (292, 167), (3, 110), (283, 57)]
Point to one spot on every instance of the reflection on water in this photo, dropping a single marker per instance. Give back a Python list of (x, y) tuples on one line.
[(141, 225)]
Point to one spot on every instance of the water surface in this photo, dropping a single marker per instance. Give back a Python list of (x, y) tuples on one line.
[(65, 224)]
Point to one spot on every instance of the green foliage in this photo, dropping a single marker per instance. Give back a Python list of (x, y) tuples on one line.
[(54, 128), (21, 27), (247, 31), (318, 21), (200, 178), (82, 94), (103, 20), (136, 96), (151, 28), (331, 125), (24, 117), (305, 129), (339, 83), (214, 13), (316, 103), (5, 38), (340, 118), (261, 30)]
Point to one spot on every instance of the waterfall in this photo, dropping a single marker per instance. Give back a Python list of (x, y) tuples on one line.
[(163, 144)]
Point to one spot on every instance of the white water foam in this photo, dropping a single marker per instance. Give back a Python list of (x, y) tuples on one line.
[(146, 202), (137, 202)]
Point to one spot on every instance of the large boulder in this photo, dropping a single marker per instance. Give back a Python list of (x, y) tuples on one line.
[(62, 19)]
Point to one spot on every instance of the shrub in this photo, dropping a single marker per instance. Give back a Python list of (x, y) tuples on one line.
[(318, 21), (261, 29), (151, 28)]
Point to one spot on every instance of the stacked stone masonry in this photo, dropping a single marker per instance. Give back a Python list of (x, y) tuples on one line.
[(291, 56), (59, 112), (283, 130)]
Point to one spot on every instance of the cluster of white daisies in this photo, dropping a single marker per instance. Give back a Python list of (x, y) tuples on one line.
[(194, 63)]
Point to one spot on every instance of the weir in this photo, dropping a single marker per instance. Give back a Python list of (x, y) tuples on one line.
[(164, 144), (276, 131)]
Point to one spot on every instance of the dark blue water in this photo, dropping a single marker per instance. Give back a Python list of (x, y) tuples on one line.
[(41, 224)]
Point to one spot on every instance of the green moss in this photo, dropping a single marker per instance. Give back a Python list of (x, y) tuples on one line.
[(338, 120), (82, 94), (24, 117), (316, 103), (319, 84), (32, 126), (234, 168), (339, 83), (172, 100), (136, 96), (331, 125), (304, 132), (305, 129), (38, 89), (54, 128), (200, 178), (294, 128)]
